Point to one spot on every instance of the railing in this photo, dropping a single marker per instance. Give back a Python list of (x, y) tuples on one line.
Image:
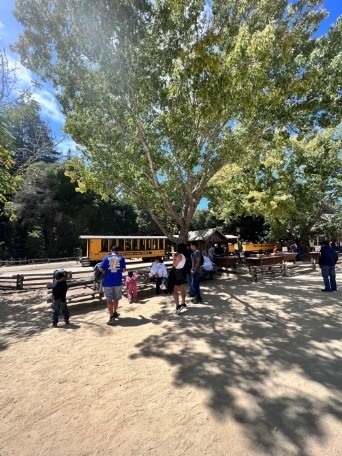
[(20, 261)]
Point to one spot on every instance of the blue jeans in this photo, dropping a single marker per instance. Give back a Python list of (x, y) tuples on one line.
[(196, 285), (57, 306), (190, 289), (329, 277)]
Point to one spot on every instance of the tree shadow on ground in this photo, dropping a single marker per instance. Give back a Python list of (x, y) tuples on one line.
[(24, 315), (250, 348), (130, 322)]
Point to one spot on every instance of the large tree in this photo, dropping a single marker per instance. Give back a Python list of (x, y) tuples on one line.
[(162, 94), (291, 184), (32, 138), (7, 86), (48, 215)]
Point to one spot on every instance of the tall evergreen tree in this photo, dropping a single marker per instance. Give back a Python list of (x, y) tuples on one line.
[(33, 139)]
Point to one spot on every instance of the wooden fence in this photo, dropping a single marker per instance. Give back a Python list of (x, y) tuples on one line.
[(20, 261), (81, 284)]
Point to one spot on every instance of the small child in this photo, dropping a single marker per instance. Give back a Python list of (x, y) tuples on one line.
[(131, 287), (59, 291)]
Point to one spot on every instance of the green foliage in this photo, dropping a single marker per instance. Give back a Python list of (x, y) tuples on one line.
[(7, 181), (161, 95), (32, 138), (50, 215), (292, 184), (204, 219)]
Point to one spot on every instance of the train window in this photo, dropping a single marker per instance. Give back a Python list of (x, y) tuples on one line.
[(128, 244), (104, 245), (121, 244)]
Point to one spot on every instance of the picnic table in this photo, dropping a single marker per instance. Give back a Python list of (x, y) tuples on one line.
[(265, 260), (265, 265), (226, 261)]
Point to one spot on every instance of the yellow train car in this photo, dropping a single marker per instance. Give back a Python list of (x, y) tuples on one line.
[(259, 248), (131, 247)]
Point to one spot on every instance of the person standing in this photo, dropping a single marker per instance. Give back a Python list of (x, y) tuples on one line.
[(113, 265), (59, 291), (159, 273), (294, 247), (179, 279), (327, 261), (131, 287), (196, 272)]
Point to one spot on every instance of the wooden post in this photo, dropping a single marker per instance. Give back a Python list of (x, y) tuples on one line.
[(285, 271), (20, 282)]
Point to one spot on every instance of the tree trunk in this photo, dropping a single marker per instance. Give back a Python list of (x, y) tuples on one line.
[(305, 253)]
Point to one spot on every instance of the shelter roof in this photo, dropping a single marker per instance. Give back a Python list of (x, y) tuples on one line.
[(203, 235)]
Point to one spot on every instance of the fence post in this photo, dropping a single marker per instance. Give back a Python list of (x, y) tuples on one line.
[(20, 282), (285, 269)]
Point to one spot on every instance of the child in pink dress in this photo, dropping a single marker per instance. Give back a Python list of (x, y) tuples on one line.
[(131, 287)]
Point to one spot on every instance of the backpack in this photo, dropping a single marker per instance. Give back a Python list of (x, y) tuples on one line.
[(98, 274), (202, 260)]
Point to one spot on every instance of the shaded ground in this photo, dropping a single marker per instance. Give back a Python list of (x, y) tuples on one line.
[(256, 370)]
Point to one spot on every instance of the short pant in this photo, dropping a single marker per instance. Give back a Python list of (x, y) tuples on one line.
[(113, 293)]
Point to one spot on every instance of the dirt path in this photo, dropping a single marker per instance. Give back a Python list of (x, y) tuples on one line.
[(256, 370)]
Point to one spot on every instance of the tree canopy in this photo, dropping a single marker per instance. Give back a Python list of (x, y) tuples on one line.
[(7, 84), (161, 95), (292, 185), (32, 137)]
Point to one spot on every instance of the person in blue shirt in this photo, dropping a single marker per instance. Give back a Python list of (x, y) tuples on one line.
[(327, 261), (113, 265)]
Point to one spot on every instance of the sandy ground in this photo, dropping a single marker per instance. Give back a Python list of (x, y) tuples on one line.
[(256, 370)]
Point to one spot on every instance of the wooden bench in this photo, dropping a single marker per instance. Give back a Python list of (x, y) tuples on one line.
[(289, 257), (226, 262), (265, 266)]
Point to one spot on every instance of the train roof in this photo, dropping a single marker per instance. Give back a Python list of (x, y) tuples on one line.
[(114, 236)]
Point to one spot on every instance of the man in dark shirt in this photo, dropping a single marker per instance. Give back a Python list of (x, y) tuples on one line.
[(327, 261)]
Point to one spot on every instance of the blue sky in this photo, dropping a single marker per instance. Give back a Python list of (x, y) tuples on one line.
[(50, 109)]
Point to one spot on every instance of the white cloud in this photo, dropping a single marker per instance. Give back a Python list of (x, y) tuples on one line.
[(49, 105), (50, 108), (23, 75), (1, 25)]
